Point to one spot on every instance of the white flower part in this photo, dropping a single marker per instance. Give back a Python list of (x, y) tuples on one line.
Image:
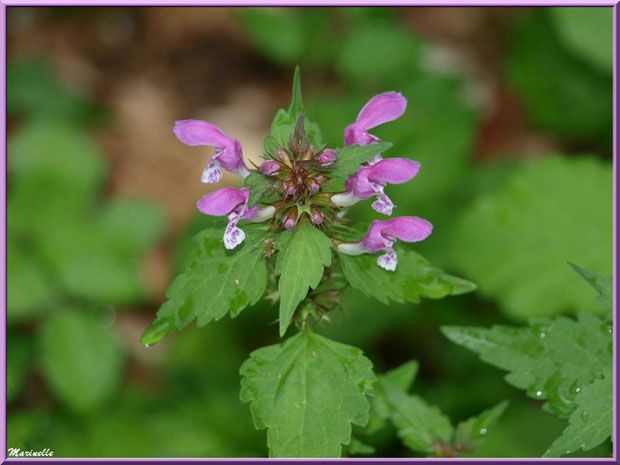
[(243, 172), (388, 261), (346, 199), (354, 248), (383, 204), (264, 214), (374, 160), (233, 236), (212, 173)]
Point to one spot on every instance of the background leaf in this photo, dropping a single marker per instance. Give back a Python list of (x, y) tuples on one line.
[(494, 238), (82, 361)]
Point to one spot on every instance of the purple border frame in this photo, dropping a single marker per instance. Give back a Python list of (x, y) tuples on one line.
[(3, 186)]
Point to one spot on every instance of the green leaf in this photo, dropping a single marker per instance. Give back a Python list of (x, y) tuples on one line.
[(553, 359), (306, 392), (413, 278), (470, 433), (604, 286), (260, 186), (350, 157), (284, 122), (527, 213), (588, 32), (418, 424), (90, 263), (303, 252), (132, 225), (365, 46), (59, 156), (82, 360), (287, 35), (216, 282), (29, 291), (592, 421), (400, 378), (560, 93)]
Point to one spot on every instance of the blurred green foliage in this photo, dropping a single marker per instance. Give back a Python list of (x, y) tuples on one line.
[(562, 90), (508, 226)]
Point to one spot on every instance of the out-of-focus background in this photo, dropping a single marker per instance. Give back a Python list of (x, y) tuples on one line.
[(510, 114)]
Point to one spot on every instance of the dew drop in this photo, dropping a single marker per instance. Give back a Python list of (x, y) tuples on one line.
[(539, 393), (483, 431), (578, 390)]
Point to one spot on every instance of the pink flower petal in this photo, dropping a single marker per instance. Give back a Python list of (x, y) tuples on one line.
[(379, 109), (223, 201)]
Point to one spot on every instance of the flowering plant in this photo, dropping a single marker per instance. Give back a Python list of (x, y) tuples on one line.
[(284, 228)]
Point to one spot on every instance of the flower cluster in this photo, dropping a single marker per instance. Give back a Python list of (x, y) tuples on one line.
[(300, 174)]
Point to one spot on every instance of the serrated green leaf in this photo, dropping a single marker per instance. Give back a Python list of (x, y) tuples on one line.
[(401, 378), (307, 392), (552, 359), (82, 361), (592, 421), (418, 424), (350, 158), (303, 253), (604, 286), (470, 433), (413, 278), (559, 208), (216, 282), (358, 447), (260, 186)]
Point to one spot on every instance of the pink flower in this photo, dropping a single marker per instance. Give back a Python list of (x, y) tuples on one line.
[(233, 203), (228, 153), (327, 157), (382, 235), (379, 109), (371, 180)]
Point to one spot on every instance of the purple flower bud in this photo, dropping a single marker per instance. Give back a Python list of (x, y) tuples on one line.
[(314, 186), (233, 203), (228, 153), (317, 217), (290, 189), (379, 109), (371, 180), (270, 167), (290, 220), (327, 157), (382, 235)]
